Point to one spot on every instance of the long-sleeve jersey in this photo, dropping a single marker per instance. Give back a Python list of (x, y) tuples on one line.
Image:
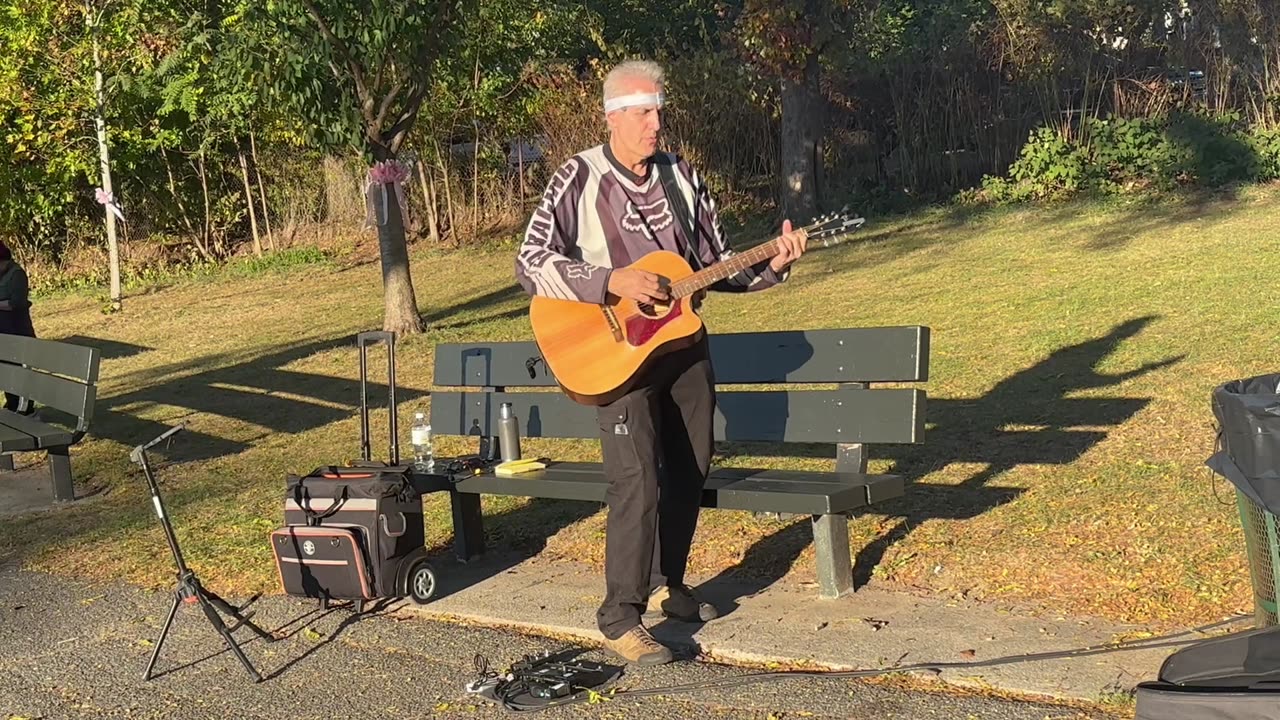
[(596, 215)]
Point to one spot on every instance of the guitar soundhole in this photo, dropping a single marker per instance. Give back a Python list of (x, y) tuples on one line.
[(642, 326), (654, 311)]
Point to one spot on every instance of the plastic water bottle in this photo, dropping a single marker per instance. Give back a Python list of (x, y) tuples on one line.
[(420, 438)]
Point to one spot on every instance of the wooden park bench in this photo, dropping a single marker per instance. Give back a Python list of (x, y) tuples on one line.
[(54, 375), (480, 377)]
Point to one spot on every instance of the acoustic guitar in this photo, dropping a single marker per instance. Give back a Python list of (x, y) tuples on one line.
[(596, 352)]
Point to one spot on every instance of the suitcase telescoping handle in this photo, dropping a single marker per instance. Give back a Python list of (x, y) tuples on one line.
[(364, 340)]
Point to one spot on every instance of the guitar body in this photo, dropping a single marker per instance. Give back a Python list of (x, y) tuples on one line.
[(597, 352)]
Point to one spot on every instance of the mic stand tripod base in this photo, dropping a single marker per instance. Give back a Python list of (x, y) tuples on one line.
[(190, 591)]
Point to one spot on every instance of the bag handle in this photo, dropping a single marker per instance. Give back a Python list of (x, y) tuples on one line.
[(313, 517), (404, 525), (336, 473)]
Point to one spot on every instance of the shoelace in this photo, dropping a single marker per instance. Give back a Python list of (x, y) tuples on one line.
[(647, 640)]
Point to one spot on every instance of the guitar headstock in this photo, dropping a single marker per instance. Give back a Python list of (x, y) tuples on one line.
[(833, 228)]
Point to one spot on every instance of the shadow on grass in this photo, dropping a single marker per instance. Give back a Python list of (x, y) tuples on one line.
[(1026, 419), (259, 391), (989, 430)]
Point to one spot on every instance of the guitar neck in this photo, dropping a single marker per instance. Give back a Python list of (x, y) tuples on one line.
[(709, 276)]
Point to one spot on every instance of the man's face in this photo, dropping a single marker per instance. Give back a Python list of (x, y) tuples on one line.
[(635, 129)]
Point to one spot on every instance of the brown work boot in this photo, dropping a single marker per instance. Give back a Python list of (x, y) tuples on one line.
[(680, 603), (638, 646)]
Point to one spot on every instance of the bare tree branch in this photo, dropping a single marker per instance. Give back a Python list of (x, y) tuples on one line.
[(386, 103), (357, 73)]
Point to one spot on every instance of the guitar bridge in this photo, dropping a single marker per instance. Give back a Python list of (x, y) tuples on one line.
[(612, 319)]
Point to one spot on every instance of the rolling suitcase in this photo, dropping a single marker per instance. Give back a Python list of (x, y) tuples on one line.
[(356, 532)]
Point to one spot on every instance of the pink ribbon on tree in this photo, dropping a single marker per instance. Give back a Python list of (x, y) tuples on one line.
[(381, 174), (109, 201)]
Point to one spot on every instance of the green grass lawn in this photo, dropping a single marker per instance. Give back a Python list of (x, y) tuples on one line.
[(1074, 351)]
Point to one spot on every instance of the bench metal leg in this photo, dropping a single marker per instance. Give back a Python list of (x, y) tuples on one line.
[(835, 564), (468, 525), (6, 462), (831, 532), (60, 469)]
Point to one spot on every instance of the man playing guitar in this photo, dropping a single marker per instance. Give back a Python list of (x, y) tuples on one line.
[(605, 208)]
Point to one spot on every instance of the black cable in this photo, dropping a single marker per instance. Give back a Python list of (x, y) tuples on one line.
[(750, 678)]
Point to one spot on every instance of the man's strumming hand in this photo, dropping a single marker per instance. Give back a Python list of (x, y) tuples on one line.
[(639, 285)]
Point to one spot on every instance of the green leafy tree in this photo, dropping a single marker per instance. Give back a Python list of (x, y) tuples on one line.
[(357, 72), (61, 66)]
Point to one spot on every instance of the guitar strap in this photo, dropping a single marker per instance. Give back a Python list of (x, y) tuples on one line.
[(676, 199)]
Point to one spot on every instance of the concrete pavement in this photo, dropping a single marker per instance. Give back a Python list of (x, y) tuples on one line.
[(71, 650), (871, 629)]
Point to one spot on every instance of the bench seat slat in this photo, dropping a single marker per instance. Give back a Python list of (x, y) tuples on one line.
[(45, 435), (806, 493), (12, 440)]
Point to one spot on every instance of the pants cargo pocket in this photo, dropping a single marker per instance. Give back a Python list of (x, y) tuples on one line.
[(616, 440)]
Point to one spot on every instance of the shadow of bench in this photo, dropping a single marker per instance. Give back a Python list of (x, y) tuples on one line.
[(846, 418)]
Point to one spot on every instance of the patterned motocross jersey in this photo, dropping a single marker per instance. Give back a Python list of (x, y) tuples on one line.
[(596, 215)]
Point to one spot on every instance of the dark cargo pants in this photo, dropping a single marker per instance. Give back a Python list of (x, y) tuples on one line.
[(657, 442)]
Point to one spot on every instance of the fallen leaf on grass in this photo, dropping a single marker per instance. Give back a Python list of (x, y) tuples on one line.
[(312, 635)]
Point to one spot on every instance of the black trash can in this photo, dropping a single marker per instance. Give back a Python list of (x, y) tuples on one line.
[(1248, 413)]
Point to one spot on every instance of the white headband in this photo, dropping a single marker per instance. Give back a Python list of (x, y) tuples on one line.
[(632, 100)]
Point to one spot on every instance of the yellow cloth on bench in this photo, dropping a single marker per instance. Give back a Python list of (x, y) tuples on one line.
[(515, 467)]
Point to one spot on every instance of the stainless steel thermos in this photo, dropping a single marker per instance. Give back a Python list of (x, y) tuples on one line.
[(508, 433)]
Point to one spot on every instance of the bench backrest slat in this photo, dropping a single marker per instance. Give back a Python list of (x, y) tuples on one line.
[(51, 356), (820, 416), (888, 354), (66, 395)]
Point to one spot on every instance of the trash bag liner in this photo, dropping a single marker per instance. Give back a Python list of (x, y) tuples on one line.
[(1231, 677), (1248, 413)]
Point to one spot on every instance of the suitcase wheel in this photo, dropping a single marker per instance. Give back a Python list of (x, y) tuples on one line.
[(421, 583)]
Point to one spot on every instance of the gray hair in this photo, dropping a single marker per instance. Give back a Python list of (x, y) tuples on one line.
[(646, 69)]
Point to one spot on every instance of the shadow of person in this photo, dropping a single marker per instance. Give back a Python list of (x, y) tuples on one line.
[(988, 430), (1028, 418)]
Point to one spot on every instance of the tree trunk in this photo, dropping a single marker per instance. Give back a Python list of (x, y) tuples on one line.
[(800, 143), (520, 168), (248, 200), (182, 208), (448, 201), (400, 313), (262, 191), (475, 186), (204, 192), (104, 157), (429, 199)]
